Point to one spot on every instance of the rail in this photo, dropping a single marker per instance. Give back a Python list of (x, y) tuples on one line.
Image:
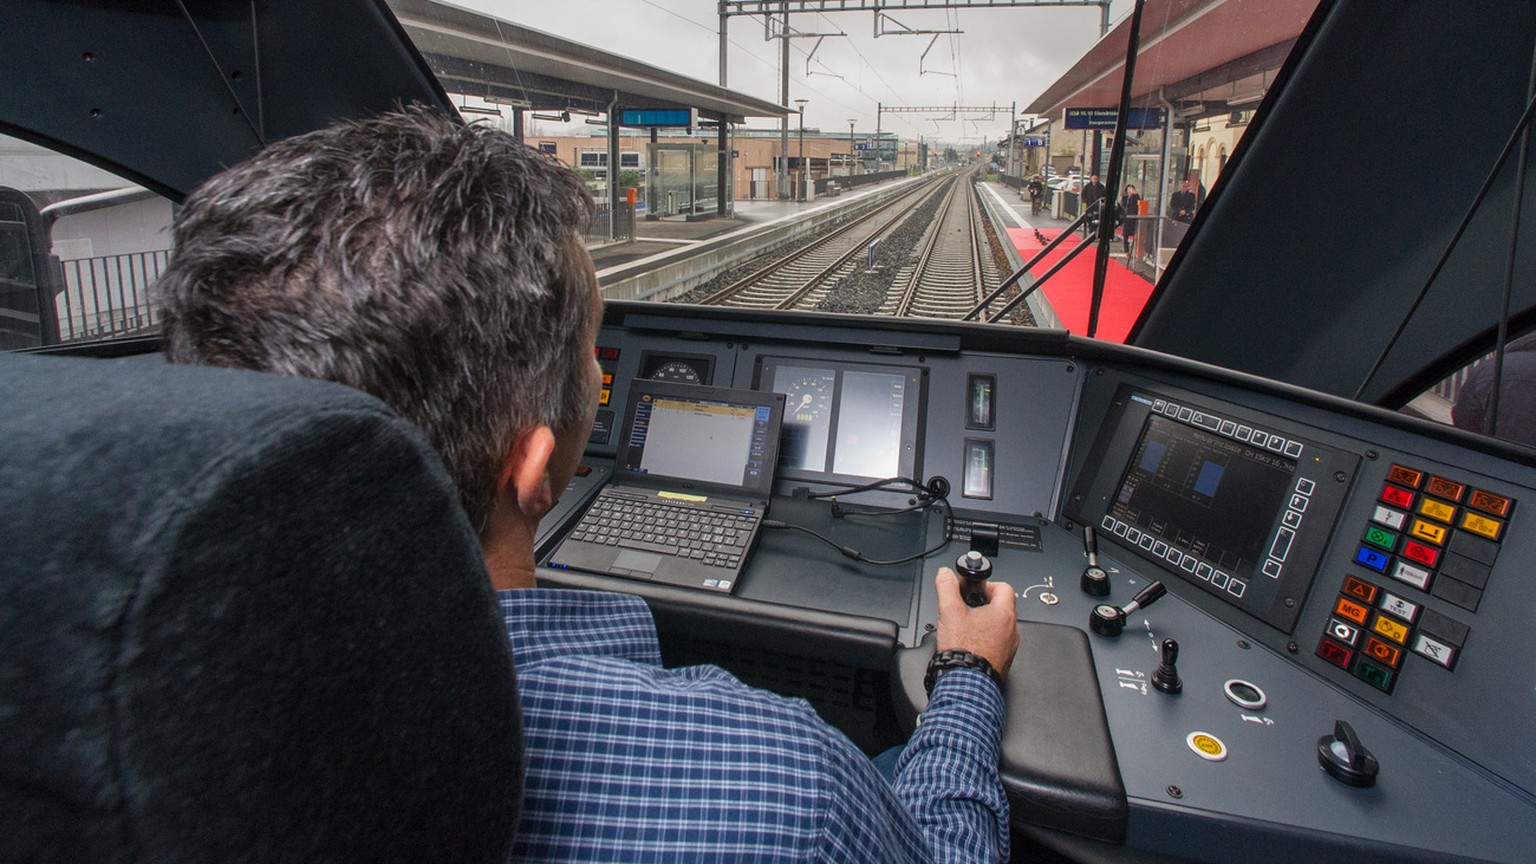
[(109, 295)]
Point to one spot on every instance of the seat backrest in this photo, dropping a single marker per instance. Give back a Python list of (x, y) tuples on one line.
[(242, 618)]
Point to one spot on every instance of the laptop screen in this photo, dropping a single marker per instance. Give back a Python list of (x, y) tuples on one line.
[(690, 435)]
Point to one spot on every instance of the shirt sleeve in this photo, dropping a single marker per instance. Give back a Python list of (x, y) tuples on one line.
[(947, 776), (548, 623)]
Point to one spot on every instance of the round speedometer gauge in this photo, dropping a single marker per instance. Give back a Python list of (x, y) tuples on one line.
[(678, 371)]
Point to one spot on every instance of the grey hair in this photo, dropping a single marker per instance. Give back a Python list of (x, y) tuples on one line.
[(432, 264)]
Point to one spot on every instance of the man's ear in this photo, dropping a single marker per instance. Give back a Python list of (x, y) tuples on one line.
[(525, 473)]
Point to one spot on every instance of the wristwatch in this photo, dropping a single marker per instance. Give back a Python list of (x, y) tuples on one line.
[(957, 658)]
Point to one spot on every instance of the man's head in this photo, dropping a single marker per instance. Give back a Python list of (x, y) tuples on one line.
[(434, 265)]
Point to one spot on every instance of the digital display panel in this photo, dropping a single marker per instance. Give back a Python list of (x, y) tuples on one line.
[(1214, 498), (846, 420)]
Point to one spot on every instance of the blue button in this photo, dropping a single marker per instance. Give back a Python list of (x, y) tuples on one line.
[(1367, 557)]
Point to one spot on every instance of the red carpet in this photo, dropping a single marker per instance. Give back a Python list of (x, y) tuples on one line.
[(1071, 290)]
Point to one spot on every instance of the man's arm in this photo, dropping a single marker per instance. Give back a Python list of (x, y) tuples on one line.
[(948, 775)]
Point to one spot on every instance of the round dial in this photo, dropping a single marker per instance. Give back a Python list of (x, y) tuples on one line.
[(807, 399), (677, 370)]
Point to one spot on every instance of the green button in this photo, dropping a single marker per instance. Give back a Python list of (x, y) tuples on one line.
[(1376, 676), (1381, 537)]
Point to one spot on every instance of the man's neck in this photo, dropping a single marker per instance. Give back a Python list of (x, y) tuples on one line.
[(508, 549)]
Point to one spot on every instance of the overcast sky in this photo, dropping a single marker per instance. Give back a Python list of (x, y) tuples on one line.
[(1002, 57)]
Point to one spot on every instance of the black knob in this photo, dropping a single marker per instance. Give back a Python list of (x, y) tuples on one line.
[(1345, 758), (1166, 678), (974, 569), (1094, 581), (1106, 620)]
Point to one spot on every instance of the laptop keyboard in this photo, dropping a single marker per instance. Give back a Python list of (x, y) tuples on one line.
[(709, 537)]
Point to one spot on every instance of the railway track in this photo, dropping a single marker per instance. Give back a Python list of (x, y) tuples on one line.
[(948, 276)]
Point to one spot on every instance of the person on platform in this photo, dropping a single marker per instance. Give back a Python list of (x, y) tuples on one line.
[(1093, 193), (1130, 206), (1036, 194), (1182, 203), (439, 266), (1517, 395)]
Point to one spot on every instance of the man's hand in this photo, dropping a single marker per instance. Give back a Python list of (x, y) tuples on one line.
[(988, 631)]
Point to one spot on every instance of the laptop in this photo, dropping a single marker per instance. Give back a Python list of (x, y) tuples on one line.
[(690, 487)]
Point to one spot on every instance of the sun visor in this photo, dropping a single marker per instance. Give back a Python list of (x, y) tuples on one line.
[(1316, 242), (167, 94)]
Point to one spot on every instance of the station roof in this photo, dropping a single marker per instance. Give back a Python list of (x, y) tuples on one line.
[(1212, 56), (478, 55)]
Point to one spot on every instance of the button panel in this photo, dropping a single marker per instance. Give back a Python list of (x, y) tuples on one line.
[(1432, 534)]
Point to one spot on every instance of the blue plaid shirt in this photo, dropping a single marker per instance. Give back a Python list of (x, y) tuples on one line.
[(628, 761)]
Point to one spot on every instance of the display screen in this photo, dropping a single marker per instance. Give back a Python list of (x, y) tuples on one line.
[(701, 439), (846, 420), (1212, 497)]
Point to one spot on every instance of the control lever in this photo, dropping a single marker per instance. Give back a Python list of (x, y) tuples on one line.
[(1166, 678), (1108, 620), (1345, 758), (1094, 582), (974, 569)]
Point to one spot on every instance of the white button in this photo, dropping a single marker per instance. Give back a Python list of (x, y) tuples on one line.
[(1236, 587), (1259, 439), (1189, 563), (1159, 549), (1293, 449), (1299, 502), (1291, 519), (1158, 405), (1305, 486), (1245, 694), (1394, 519), (1203, 571), (1134, 536), (1272, 569), (1412, 574), (1439, 652), (1228, 428), (1346, 633), (1277, 444), (1107, 523), (1219, 579), (1147, 540), (1399, 607)]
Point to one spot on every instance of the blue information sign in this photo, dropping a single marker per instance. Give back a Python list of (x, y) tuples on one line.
[(659, 117), (1032, 141), (1104, 118)]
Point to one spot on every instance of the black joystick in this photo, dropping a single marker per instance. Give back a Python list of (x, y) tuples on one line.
[(1345, 758), (1108, 620), (1095, 582), (1166, 678), (974, 570)]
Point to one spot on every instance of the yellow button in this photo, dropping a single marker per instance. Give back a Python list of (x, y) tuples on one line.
[(604, 396), (1437, 510), (1490, 528), (1391, 629), (1429, 531), (1206, 746)]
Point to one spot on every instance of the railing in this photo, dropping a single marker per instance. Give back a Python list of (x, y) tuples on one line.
[(108, 296)]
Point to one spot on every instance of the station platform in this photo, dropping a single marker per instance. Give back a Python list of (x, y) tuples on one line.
[(1070, 291)]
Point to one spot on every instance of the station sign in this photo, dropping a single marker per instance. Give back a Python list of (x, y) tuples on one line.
[(1104, 118), (659, 117), (1032, 141)]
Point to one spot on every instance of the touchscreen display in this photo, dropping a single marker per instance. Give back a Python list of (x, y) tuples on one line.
[(846, 420)]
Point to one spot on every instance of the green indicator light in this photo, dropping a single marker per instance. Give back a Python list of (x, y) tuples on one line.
[(1372, 674), (1378, 537)]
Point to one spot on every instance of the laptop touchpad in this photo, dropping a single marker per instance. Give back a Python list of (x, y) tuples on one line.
[(637, 562)]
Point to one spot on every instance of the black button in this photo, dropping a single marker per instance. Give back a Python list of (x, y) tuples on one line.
[(1459, 593), (1474, 547), (1466, 570), (1443, 628)]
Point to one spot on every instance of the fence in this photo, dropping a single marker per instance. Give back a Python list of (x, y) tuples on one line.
[(109, 295)]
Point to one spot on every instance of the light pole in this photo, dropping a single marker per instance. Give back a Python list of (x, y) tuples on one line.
[(850, 147), (800, 175)]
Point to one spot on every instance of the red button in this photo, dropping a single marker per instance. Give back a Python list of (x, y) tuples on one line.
[(1405, 476), (1363, 591), (1334, 653), (1421, 553), (1393, 495), (1443, 488)]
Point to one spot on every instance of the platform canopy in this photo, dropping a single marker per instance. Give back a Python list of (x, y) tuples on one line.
[(1205, 57), (477, 55)]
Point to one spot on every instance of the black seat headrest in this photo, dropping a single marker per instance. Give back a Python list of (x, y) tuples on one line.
[(242, 617)]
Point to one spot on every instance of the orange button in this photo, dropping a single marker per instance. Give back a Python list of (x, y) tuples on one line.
[(1429, 531), (1488, 502), (1363, 591), (1443, 488), (1490, 528), (1390, 628), (1379, 650), (1347, 608), (607, 378), (1437, 510), (1405, 476)]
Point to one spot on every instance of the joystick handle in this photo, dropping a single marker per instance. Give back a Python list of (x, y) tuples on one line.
[(1108, 620), (1094, 582), (1166, 678), (973, 569)]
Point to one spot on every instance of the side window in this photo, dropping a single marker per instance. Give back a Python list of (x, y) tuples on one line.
[(1466, 398), (80, 249)]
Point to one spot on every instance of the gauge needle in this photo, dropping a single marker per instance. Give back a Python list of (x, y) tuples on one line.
[(805, 400)]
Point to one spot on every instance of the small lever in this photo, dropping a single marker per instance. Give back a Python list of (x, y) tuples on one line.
[(1166, 678), (974, 569), (1345, 758), (1109, 620), (1094, 581)]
